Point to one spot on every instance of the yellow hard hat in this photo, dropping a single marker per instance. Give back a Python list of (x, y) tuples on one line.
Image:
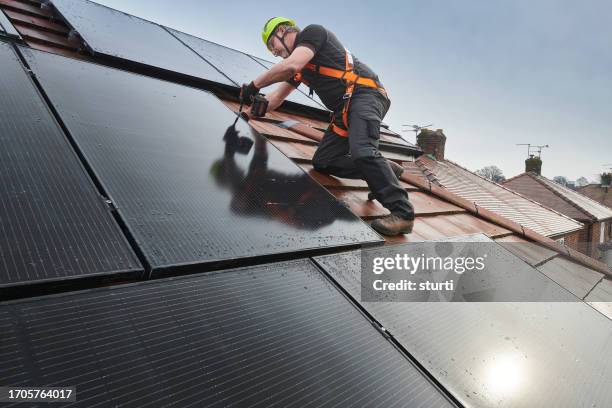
[(271, 25)]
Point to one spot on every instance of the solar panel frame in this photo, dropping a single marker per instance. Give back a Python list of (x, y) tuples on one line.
[(180, 213), (54, 226), (269, 335)]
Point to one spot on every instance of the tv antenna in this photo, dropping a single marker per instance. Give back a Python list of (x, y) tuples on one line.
[(416, 128), (533, 149)]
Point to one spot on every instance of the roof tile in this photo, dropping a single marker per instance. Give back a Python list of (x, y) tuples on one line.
[(499, 199), (530, 187), (584, 203)]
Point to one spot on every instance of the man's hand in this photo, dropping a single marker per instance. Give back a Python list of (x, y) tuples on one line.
[(248, 92)]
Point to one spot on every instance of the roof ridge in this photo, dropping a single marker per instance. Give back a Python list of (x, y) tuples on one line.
[(515, 192), (513, 226), (539, 178), (579, 193), (426, 171), (514, 177)]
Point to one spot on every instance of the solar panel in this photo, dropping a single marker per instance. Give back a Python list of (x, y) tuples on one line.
[(499, 353), (53, 224), (111, 32), (239, 67), (271, 335), (504, 277), (187, 195), (6, 27)]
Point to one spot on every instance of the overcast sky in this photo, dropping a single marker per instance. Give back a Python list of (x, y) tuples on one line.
[(490, 73)]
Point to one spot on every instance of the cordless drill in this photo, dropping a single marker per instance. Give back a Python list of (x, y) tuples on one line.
[(259, 106)]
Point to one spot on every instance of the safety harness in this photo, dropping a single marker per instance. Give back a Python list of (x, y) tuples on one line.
[(350, 78)]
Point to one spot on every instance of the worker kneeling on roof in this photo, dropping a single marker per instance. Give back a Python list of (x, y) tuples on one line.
[(352, 91)]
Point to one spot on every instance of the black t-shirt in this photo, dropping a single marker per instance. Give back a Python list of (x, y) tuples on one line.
[(331, 53)]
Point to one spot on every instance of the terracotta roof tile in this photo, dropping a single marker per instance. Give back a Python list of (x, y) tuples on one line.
[(44, 23), (499, 199), (337, 182), (512, 226), (596, 192), (448, 225), (582, 202), (28, 8), (357, 201), (531, 187)]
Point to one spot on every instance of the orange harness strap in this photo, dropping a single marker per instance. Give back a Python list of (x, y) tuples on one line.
[(351, 79)]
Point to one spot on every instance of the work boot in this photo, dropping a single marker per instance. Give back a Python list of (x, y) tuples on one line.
[(393, 224), (397, 170)]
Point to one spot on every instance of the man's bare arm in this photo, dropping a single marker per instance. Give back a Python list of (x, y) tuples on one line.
[(276, 98), (285, 69)]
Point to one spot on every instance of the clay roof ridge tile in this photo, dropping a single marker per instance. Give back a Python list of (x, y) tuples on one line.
[(514, 192), (562, 196)]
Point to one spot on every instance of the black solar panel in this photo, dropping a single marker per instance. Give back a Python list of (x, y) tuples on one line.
[(111, 32), (504, 278), (53, 224), (187, 196), (507, 354), (277, 335), (239, 67)]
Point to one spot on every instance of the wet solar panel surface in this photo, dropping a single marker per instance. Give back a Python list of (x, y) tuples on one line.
[(276, 335), (508, 354), (189, 191), (54, 225)]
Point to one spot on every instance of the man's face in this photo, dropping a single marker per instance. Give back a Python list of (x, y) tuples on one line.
[(276, 46)]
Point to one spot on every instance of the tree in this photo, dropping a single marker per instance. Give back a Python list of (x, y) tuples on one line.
[(605, 178), (582, 181), (560, 180), (492, 173)]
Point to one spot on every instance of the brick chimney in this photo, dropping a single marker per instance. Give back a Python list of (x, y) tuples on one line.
[(432, 142), (533, 164)]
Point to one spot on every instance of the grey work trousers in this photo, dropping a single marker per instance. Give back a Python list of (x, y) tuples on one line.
[(357, 156)]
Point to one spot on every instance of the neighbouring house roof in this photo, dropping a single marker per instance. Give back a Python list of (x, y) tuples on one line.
[(561, 198), (599, 193), (498, 199)]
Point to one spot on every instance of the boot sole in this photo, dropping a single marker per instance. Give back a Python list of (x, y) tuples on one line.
[(382, 230)]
